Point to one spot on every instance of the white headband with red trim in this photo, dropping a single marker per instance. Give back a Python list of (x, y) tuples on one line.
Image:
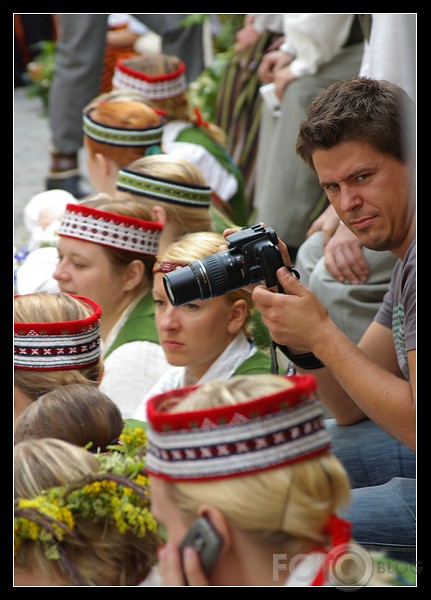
[(58, 345), (111, 229), (229, 441), (157, 87)]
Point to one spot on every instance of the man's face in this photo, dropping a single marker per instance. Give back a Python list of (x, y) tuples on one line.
[(370, 192)]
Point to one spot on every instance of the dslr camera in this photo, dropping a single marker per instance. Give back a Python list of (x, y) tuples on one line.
[(252, 256)]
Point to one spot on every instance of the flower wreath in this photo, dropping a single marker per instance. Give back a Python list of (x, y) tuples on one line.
[(118, 492)]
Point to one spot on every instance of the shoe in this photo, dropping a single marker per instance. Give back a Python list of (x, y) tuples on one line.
[(71, 184)]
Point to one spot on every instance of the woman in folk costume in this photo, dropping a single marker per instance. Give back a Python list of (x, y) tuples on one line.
[(204, 339), (251, 456), (173, 190), (106, 251), (119, 127), (56, 342), (161, 79), (82, 518)]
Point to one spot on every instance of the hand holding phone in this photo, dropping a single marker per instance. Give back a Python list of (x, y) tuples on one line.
[(205, 540)]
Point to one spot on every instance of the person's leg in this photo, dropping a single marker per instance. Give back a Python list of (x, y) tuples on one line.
[(351, 307), (309, 254), (370, 455), (184, 42), (382, 473), (79, 61), (280, 184), (383, 518)]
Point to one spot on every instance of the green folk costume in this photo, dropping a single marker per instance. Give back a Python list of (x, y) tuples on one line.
[(258, 363), (140, 326), (235, 208)]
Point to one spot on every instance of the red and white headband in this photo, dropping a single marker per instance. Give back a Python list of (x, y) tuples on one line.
[(157, 87), (58, 345), (229, 441), (111, 229)]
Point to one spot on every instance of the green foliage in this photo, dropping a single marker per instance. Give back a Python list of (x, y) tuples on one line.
[(203, 91), (229, 25), (40, 71), (117, 493)]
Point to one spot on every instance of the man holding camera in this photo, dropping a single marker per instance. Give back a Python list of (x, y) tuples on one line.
[(357, 137)]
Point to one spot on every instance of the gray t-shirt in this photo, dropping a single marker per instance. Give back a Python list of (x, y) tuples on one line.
[(398, 309)]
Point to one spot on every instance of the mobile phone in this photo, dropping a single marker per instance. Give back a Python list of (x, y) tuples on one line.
[(205, 540)]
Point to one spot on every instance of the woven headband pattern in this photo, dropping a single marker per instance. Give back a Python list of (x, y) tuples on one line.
[(163, 189), (167, 267), (118, 136), (53, 346), (229, 441), (159, 87), (111, 229)]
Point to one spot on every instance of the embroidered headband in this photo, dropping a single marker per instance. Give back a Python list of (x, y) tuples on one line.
[(60, 345), (234, 440), (166, 267), (120, 136), (158, 87), (163, 189), (111, 229)]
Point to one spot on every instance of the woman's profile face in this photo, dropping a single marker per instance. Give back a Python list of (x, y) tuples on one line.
[(195, 334), (84, 269)]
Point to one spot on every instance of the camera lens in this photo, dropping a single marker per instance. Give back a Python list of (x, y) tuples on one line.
[(211, 276)]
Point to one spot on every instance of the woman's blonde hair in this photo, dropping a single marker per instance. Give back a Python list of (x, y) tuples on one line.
[(42, 463), (98, 552), (177, 107), (127, 110), (47, 307), (197, 245), (184, 219), (282, 507)]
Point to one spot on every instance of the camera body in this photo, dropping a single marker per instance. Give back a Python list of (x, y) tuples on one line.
[(252, 256)]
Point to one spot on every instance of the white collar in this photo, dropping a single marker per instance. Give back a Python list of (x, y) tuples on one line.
[(231, 358), (172, 129)]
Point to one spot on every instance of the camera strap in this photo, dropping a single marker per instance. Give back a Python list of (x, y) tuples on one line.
[(290, 369)]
